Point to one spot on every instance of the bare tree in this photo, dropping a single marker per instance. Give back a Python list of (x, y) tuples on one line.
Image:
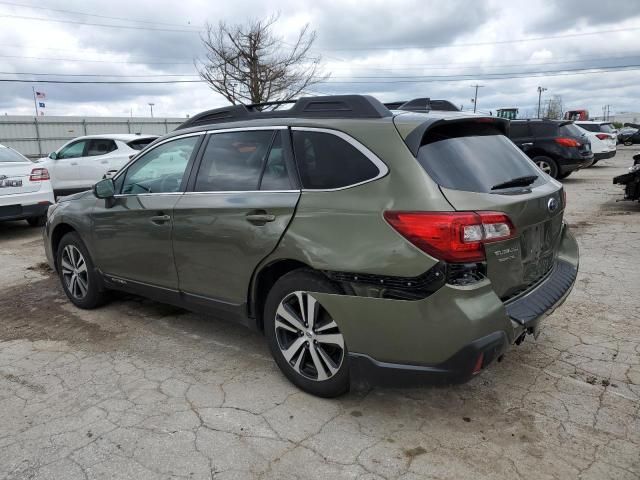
[(249, 64), (554, 108)]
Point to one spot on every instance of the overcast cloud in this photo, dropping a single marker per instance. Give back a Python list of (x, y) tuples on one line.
[(358, 41)]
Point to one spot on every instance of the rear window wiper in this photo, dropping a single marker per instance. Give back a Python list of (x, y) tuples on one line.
[(516, 182)]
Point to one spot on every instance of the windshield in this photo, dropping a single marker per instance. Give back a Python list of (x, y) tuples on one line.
[(477, 163), (9, 155)]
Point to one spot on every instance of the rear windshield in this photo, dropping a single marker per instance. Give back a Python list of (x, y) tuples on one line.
[(607, 128), (591, 127), (570, 130), (9, 155), (140, 144), (476, 163)]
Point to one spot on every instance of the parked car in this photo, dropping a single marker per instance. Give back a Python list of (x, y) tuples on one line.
[(25, 189), (367, 245), (81, 162), (628, 135), (556, 146), (602, 137)]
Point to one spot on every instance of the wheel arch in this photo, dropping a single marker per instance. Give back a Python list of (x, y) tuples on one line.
[(264, 278), (57, 233)]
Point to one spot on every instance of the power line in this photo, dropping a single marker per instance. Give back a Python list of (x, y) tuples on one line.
[(100, 74), (74, 22), (97, 61), (441, 78), (12, 4), (495, 42)]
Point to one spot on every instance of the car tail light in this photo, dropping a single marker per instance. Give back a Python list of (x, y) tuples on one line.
[(603, 136), (567, 142), (452, 236), (39, 174)]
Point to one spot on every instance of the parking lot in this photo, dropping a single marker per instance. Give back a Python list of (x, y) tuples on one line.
[(142, 390)]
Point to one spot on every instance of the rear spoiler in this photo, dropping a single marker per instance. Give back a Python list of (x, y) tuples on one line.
[(415, 139)]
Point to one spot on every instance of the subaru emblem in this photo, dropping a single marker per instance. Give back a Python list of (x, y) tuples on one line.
[(552, 204)]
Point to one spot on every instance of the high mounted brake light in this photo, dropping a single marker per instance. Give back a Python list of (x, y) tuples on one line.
[(39, 174), (452, 236)]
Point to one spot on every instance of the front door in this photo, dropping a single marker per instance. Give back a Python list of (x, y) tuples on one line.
[(66, 172), (234, 213), (132, 233)]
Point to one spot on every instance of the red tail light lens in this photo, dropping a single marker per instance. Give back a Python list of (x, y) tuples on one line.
[(39, 174), (452, 236), (602, 136), (567, 142)]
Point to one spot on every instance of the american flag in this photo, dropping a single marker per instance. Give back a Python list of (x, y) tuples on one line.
[(40, 95)]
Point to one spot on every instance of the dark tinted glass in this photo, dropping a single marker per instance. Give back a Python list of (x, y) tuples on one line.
[(518, 130), (100, 146), (475, 164), (74, 150), (275, 176), (140, 144), (233, 161), (543, 129), (591, 127), (8, 155), (570, 130), (326, 161), (607, 128)]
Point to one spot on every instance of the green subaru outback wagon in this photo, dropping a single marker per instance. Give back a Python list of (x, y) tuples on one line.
[(369, 245)]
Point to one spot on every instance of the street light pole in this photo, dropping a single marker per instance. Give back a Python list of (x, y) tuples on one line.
[(475, 96), (151, 106), (540, 90)]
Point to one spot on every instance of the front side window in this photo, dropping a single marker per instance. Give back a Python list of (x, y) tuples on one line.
[(73, 150), (100, 146), (161, 170), (326, 161), (234, 161)]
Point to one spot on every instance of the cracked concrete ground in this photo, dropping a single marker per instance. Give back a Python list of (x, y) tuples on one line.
[(142, 390)]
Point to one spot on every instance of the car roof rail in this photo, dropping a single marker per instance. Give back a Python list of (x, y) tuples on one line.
[(329, 106), (423, 104)]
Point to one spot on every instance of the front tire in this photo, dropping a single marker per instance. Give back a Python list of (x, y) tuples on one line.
[(79, 278), (305, 341), (547, 165)]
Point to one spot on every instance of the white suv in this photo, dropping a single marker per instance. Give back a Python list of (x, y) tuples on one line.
[(603, 138), (25, 189), (83, 161)]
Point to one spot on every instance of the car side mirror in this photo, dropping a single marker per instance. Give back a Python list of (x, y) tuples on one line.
[(104, 188), (53, 155)]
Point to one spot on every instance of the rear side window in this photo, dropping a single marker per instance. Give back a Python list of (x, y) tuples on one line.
[(543, 129), (476, 163), (326, 161), (234, 161), (140, 144), (518, 130), (100, 146)]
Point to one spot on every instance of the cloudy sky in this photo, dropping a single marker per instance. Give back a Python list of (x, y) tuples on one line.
[(391, 49)]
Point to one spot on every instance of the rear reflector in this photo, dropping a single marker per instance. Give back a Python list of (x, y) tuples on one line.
[(603, 136), (567, 142), (452, 236), (39, 174)]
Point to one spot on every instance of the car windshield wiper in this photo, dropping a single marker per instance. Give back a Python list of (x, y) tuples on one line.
[(516, 182)]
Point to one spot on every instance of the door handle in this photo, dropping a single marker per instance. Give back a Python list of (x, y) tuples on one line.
[(260, 218), (73, 163), (528, 144), (104, 161), (160, 219)]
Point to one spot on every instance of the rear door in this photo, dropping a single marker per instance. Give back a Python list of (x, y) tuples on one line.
[(469, 164), (239, 205), (97, 160)]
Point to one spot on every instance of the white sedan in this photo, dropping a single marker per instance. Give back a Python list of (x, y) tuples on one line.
[(83, 161), (25, 189)]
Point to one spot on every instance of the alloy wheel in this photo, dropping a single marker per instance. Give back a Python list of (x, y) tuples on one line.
[(544, 166), (74, 271), (308, 338)]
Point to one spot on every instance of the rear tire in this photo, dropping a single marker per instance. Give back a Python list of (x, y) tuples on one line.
[(37, 221), (547, 165), (78, 275), (305, 342)]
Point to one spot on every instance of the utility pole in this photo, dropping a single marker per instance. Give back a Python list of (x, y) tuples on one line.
[(475, 96), (540, 90), (151, 106)]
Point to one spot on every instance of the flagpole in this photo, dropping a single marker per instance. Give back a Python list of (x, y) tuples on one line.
[(35, 104)]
